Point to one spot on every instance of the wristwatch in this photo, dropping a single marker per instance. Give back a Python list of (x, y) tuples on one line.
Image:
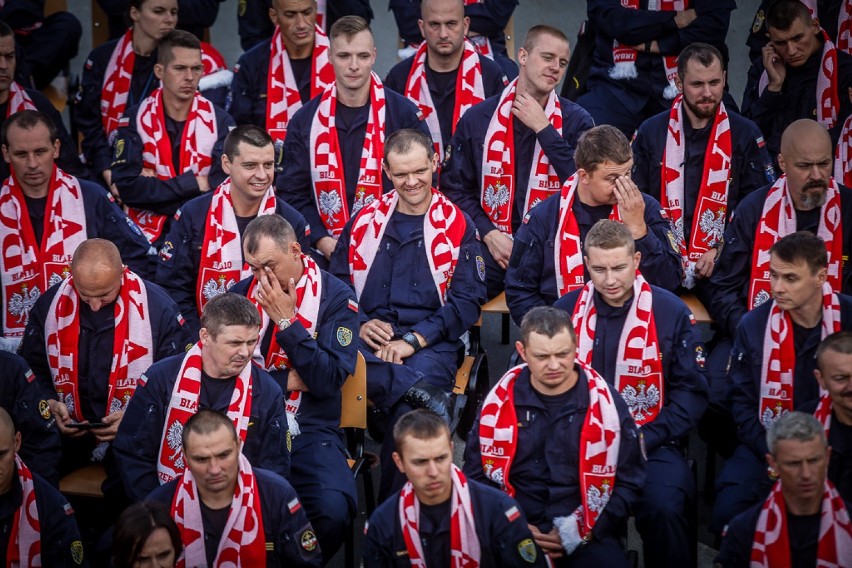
[(284, 323), (412, 340)]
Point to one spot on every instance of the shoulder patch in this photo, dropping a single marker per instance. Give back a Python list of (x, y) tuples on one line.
[(344, 336), (29, 376), (44, 409), (288, 438), (77, 552), (124, 122), (758, 21), (512, 513), (448, 151), (700, 358), (142, 380), (166, 251), (526, 219), (673, 241), (294, 505), (480, 267), (353, 305), (307, 230), (664, 214), (309, 541), (527, 550), (180, 319), (89, 64), (177, 215), (133, 226), (119, 148)]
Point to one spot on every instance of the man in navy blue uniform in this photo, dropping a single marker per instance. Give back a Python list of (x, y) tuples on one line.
[(216, 373), (817, 202), (223, 505), (800, 74), (700, 156), (453, 515), (772, 363), (22, 397), (446, 76), (512, 151), (310, 321), (50, 213), (196, 262), (46, 532), (669, 393), (829, 12), (168, 148), (527, 442), (94, 384), (416, 266), (331, 172), (294, 62), (540, 270), (14, 97), (803, 522), (633, 71)]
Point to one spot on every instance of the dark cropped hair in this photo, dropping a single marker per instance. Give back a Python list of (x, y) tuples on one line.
[(401, 141), (27, 120), (607, 234), (5, 30), (604, 143), (135, 525), (546, 321), (704, 53), (274, 227), (801, 246), (838, 342), (250, 134), (228, 309), (206, 421), (173, 39), (783, 13), (422, 424)]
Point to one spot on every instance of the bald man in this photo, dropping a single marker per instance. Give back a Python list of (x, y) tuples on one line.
[(47, 530), (114, 325), (741, 277)]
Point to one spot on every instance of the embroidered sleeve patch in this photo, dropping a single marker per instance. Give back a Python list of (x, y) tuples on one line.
[(512, 514), (344, 336), (309, 541), (527, 550), (77, 552)]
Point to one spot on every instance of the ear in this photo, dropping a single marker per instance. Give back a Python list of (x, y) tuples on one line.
[(771, 461), (158, 71), (466, 23), (226, 164), (6, 155), (519, 347), (637, 257), (56, 145), (273, 16), (678, 83), (822, 275), (397, 459), (435, 159), (522, 56), (17, 442), (205, 336), (422, 26), (820, 379), (781, 164)]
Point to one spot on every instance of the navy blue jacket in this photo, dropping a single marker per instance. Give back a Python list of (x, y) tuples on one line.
[(730, 281), (290, 538), (248, 88), (138, 441), (744, 371), (545, 470), (612, 21), (68, 159), (180, 255), (97, 334), (153, 194), (60, 537), (531, 275), (400, 290), (294, 183), (685, 391), (462, 170), (25, 401), (504, 538), (738, 540), (773, 112), (751, 166), (493, 83), (323, 361)]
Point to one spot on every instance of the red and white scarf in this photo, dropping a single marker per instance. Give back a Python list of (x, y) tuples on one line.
[(18, 100), (779, 360), (638, 365), (26, 268), (183, 403), (823, 411), (327, 159), (308, 295), (600, 439), (116, 86), (216, 73), (499, 175), (24, 548), (443, 230), (133, 345), (828, 102), (197, 140), (843, 155), (772, 543), (282, 91), (469, 90), (222, 263), (844, 23), (708, 220), (464, 542), (243, 542), (567, 249), (624, 57), (778, 220)]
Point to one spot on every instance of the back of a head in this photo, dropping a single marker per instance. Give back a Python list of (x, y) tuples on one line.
[(135, 525), (402, 141), (245, 134), (228, 309), (204, 422), (795, 425), (536, 32), (422, 424), (801, 246), (703, 53), (804, 133), (783, 13), (348, 26), (274, 227), (27, 120), (608, 234), (604, 143), (176, 38), (547, 321)]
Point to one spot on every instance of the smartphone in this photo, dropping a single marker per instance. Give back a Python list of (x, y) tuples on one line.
[(88, 426)]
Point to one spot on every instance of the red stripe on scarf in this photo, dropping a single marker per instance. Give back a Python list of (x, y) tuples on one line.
[(24, 548), (843, 155), (116, 86)]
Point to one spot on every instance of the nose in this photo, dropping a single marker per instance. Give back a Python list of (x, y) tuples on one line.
[(95, 305), (301, 21), (553, 363), (432, 469)]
